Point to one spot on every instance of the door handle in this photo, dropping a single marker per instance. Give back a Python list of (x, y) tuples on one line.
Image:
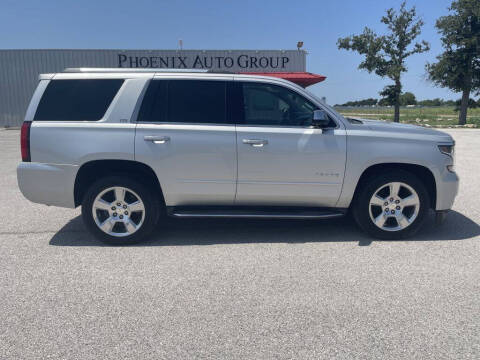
[(156, 139), (255, 142)]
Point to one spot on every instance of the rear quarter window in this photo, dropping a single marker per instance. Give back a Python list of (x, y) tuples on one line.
[(77, 100)]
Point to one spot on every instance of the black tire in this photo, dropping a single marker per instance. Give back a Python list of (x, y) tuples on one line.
[(367, 188), (151, 204)]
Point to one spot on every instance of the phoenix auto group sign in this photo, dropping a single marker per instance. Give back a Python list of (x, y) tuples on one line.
[(253, 61)]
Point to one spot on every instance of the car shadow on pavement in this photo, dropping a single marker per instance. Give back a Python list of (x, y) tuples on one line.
[(184, 232)]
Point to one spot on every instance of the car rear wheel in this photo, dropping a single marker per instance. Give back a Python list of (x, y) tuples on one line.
[(119, 210), (392, 205)]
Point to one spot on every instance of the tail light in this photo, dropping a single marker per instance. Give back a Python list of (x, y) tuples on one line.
[(25, 141)]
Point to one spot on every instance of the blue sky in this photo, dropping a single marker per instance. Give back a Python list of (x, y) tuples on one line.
[(261, 24)]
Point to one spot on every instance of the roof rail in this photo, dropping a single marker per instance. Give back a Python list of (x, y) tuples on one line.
[(124, 70), (213, 71)]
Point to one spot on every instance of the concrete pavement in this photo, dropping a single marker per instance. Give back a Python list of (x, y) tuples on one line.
[(228, 289)]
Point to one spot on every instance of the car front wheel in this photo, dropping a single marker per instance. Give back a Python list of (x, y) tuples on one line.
[(392, 205)]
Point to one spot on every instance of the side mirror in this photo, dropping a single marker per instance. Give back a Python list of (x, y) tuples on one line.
[(320, 118)]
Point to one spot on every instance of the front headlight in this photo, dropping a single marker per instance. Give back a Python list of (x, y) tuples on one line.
[(447, 149), (450, 151)]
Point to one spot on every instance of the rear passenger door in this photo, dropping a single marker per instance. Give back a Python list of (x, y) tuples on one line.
[(184, 134)]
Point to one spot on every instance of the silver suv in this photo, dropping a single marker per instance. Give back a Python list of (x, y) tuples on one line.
[(130, 146)]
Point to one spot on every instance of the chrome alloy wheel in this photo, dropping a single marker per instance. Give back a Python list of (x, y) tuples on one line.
[(394, 206), (118, 211)]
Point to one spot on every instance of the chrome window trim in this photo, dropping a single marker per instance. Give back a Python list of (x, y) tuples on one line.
[(183, 123), (286, 126)]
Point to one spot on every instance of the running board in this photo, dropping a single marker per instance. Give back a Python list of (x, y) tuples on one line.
[(252, 213)]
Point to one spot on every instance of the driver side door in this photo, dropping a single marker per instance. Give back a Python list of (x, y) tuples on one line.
[(282, 159)]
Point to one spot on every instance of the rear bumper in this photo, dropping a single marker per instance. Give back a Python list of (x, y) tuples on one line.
[(48, 184), (447, 189)]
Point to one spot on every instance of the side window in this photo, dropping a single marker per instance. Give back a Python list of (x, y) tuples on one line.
[(154, 104), (185, 101), (196, 101), (77, 100), (266, 104)]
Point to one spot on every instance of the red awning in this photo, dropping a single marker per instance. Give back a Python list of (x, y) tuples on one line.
[(303, 79)]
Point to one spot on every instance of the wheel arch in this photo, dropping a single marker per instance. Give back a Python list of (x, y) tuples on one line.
[(93, 170), (423, 173)]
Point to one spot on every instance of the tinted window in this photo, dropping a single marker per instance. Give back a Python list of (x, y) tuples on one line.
[(196, 101), (266, 104), (154, 105), (185, 101), (70, 100)]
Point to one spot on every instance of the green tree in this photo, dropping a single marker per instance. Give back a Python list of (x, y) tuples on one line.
[(389, 97), (389, 94), (365, 102), (384, 102), (458, 68), (472, 104), (432, 102), (408, 98), (385, 55)]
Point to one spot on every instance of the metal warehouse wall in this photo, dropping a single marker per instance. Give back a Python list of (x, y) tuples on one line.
[(19, 69)]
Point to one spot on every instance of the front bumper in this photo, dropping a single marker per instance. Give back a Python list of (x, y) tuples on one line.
[(447, 190), (49, 184)]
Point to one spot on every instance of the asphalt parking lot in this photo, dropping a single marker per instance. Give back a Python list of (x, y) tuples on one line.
[(225, 289)]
